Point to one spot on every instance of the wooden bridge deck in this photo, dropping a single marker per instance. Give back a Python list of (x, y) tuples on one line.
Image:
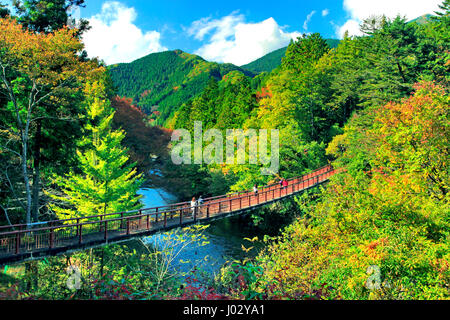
[(17, 243)]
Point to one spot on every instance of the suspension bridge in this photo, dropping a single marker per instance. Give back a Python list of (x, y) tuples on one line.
[(21, 243)]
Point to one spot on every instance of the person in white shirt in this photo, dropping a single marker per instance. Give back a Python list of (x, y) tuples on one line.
[(193, 205)]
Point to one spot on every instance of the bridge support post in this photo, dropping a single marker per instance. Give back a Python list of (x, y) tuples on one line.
[(78, 222), (207, 211), (17, 243), (181, 216), (80, 234), (51, 238), (106, 230)]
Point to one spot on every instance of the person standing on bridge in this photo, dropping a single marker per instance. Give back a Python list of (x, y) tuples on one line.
[(200, 204), (255, 189), (285, 184), (193, 206)]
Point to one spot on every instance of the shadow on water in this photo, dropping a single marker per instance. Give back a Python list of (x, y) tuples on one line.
[(224, 242), (225, 238)]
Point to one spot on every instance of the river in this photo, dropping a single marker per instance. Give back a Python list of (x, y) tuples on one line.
[(224, 238)]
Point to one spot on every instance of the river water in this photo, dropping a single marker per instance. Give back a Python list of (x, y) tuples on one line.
[(224, 238)]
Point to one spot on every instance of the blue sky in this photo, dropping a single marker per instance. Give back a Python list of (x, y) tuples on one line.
[(226, 31)]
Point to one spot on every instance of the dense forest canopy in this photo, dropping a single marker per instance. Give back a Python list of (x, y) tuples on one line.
[(77, 138), (160, 82), (378, 106), (273, 59)]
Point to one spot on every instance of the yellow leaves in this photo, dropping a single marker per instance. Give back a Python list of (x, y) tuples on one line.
[(48, 59), (252, 240), (246, 250), (337, 145)]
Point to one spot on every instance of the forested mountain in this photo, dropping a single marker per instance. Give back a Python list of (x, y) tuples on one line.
[(272, 60), (160, 82), (268, 62), (376, 107), (422, 19), (315, 91)]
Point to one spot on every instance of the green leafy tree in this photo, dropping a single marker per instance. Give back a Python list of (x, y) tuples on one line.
[(41, 76), (3, 10), (45, 134), (106, 183), (379, 231), (439, 31), (48, 16)]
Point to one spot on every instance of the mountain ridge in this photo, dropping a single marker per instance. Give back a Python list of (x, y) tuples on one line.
[(272, 60), (160, 82)]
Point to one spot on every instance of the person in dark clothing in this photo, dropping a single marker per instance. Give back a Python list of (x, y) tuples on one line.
[(200, 204)]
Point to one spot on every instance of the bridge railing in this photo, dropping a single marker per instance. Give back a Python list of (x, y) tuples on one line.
[(20, 227), (77, 231)]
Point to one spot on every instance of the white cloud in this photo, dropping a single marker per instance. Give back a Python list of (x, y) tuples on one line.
[(115, 38), (308, 19), (352, 26), (231, 39), (358, 10), (325, 12)]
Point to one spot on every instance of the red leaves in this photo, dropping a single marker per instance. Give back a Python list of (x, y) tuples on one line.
[(109, 289), (196, 291), (264, 93), (141, 140)]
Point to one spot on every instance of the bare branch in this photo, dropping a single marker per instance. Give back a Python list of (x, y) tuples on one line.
[(5, 210), (13, 190)]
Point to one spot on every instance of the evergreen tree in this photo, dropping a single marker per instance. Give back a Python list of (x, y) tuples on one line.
[(307, 50), (3, 10), (106, 184), (48, 16)]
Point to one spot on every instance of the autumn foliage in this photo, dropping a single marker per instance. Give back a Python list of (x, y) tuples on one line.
[(388, 223), (46, 58), (142, 140)]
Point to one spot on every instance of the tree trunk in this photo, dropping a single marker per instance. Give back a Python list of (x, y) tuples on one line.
[(26, 179), (36, 173)]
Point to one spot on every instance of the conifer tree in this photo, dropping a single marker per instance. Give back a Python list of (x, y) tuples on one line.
[(106, 182), (3, 10)]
